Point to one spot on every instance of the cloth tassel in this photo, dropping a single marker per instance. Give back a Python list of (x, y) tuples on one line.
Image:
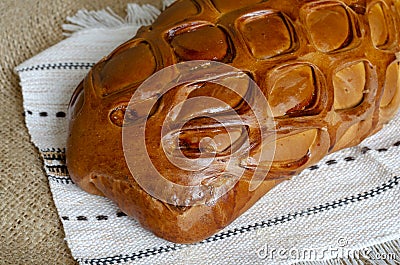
[(141, 15), (137, 15), (167, 3)]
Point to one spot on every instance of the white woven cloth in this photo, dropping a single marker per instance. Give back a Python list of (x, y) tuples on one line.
[(348, 202)]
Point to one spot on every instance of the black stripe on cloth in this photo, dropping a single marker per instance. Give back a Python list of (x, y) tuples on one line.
[(53, 150), (60, 114), (61, 66), (237, 231), (62, 169), (57, 169), (54, 156), (60, 180), (58, 154), (364, 150), (98, 217), (121, 214)]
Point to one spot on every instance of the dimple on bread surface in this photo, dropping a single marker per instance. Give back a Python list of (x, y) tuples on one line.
[(328, 70)]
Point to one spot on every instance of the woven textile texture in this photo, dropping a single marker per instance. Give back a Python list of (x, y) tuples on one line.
[(30, 230), (348, 202)]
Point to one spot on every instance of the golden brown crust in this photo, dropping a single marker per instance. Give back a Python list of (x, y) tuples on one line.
[(340, 53)]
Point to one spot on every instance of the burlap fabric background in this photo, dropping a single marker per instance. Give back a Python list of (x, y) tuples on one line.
[(30, 231)]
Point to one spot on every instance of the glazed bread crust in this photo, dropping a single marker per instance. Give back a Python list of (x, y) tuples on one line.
[(327, 69)]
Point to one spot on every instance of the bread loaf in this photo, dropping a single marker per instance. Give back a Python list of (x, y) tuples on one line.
[(328, 71)]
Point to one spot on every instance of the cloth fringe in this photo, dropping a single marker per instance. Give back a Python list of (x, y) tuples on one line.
[(138, 15), (141, 15), (386, 253), (167, 3)]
